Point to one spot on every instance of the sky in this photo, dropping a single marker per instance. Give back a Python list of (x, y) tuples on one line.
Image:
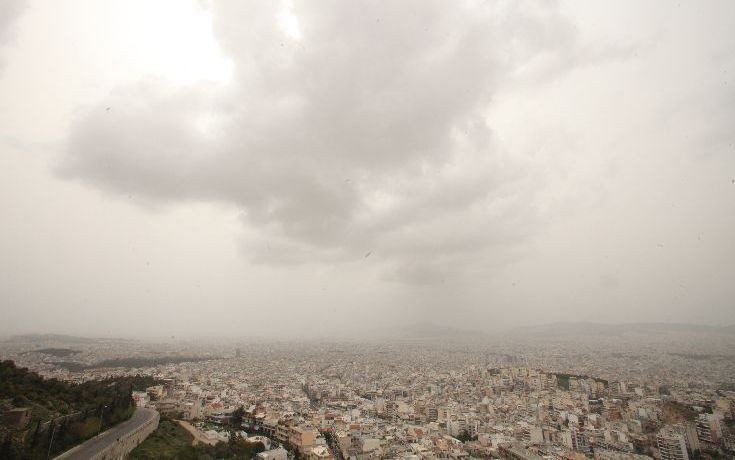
[(329, 169)]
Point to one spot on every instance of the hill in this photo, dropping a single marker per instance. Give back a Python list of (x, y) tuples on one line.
[(562, 329), (60, 338), (37, 410)]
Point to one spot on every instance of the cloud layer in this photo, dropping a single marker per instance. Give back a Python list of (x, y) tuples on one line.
[(10, 11), (347, 129), (307, 164)]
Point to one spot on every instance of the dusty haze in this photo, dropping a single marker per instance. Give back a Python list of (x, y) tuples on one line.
[(229, 168)]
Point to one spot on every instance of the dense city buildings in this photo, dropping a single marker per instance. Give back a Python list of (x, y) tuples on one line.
[(547, 396), (671, 445)]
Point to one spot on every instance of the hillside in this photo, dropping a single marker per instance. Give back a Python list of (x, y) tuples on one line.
[(172, 441), (34, 408)]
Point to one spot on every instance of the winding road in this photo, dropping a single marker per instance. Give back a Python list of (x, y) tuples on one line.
[(92, 448)]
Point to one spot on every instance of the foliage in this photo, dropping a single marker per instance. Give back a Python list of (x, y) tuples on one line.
[(58, 352), (562, 379), (62, 414), (172, 441), (676, 412), (237, 416), (464, 436), (133, 362)]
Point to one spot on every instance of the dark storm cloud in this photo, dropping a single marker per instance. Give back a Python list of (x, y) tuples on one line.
[(368, 133)]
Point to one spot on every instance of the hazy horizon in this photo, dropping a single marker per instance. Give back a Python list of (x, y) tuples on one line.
[(194, 168), (408, 331)]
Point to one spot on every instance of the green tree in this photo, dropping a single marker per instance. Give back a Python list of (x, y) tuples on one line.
[(237, 417), (34, 435), (6, 448), (234, 439), (464, 436)]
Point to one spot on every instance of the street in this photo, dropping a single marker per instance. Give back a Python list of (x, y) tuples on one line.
[(93, 446)]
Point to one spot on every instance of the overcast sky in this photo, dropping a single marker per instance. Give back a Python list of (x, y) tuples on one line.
[(300, 168)]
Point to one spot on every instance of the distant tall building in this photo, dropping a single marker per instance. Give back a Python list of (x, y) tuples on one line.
[(579, 441), (168, 386), (195, 411), (671, 445), (238, 353), (709, 429), (689, 431)]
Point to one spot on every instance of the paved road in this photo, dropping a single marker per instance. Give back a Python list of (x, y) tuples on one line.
[(91, 447)]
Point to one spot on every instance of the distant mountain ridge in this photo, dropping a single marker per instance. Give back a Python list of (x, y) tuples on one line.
[(424, 330), (61, 338), (428, 330), (591, 328)]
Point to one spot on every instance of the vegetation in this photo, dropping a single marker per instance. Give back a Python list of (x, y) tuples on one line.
[(62, 414), (58, 352), (237, 417), (676, 412), (562, 379), (131, 362), (172, 441), (464, 436)]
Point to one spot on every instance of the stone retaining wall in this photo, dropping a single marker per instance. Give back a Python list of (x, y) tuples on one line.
[(123, 445)]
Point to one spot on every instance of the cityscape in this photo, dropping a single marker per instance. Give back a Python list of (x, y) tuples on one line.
[(365, 230), (563, 391)]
